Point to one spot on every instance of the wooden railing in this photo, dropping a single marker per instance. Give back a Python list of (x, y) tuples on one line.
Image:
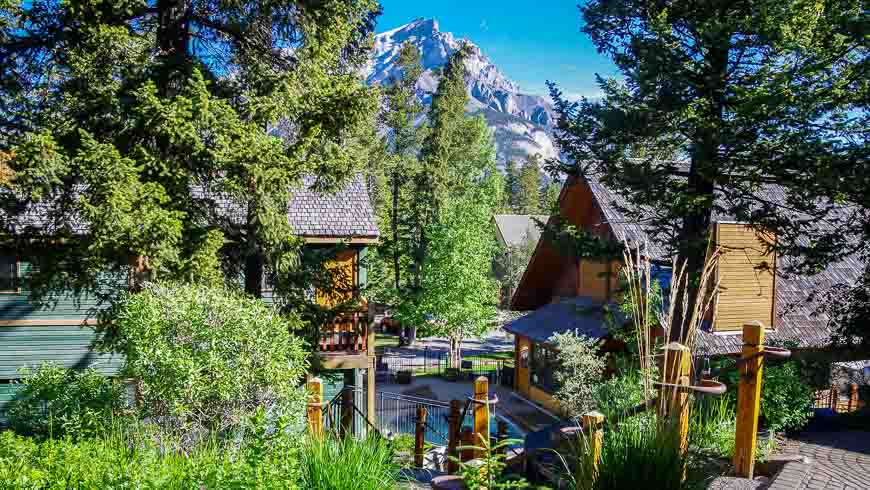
[(346, 333)]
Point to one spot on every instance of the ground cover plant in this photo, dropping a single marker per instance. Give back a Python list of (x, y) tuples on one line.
[(140, 456), (60, 402)]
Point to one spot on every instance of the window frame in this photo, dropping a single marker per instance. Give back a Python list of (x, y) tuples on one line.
[(17, 279), (551, 362)]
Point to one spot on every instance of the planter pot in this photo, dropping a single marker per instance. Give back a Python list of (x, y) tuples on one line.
[(403, 377)]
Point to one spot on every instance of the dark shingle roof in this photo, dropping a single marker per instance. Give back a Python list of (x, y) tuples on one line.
[(345, 213), (516, 228), (797, 317), (584, 316)]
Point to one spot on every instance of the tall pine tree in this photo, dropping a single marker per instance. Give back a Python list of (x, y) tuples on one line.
[(745, 93), (530, 182), (139, 120)]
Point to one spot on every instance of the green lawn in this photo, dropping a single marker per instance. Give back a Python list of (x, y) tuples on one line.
[(384, 340), (496, 356)]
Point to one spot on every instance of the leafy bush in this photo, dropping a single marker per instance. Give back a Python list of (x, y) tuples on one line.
[(581, 368), (208, 358), (134, 457), (55, 401), (488, 472), (332, 463), (619, 393), (786, 397)]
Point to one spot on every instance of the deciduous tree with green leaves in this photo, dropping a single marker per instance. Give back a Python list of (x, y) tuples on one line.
[(745, 94), (454, 195)]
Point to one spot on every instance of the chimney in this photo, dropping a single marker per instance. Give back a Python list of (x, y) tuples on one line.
[(746, 274)]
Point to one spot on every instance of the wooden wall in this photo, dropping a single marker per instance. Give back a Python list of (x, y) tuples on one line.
[(521, 376), (747, 279)]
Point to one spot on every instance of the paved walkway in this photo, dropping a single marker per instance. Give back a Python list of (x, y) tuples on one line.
[(837, 460), (497, 341)]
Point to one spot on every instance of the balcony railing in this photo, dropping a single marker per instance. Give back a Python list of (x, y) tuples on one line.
[(346, 333)]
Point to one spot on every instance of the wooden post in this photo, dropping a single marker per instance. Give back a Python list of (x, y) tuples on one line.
[(315, 406), (748, 399), (502, 435), (853, 397), (453, 426), (834, 397), (419, 436), (466, 440), (674, 402), (594, 435), (370, 393), (481, 414), (346, 412)]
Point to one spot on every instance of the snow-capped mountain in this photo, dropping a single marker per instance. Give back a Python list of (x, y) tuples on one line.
[(522, 123)]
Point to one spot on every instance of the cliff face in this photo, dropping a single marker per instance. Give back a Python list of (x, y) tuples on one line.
[(522, 123)]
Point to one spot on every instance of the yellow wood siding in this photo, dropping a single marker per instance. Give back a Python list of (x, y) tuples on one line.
[(521, 380), (747, 278), (597, 280), (344, 267)]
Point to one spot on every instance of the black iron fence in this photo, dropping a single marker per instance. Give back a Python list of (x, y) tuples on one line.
[(397, 368), (396, 414)]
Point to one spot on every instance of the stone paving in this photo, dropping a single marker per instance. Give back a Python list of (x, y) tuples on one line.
[(838, 460)]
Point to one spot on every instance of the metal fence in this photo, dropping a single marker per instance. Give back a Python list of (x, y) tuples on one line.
[(393, 367), (397, 414)]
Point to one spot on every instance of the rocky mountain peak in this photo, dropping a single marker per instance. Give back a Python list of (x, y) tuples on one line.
[(522, 122)]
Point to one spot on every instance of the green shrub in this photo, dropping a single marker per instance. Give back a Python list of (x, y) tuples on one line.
[(208, 358), (619, 393), (786, 397), (55, 401), (581, 368), (488, 472), (133, 456), (331, 463)]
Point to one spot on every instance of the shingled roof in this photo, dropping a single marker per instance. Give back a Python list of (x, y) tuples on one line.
[(516, 228), (797, 313), (344, 214), (580, 315)]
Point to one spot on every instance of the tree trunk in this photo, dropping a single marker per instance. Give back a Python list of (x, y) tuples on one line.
[(703, 172), (253, 253), (395, 219), (173, 41), (455, 352)]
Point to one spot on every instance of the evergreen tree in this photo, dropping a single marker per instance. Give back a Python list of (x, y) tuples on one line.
[(140, 119), (457, 160), (550, 196), (530, 182), (511, 186), (401, 118), (749, 93)]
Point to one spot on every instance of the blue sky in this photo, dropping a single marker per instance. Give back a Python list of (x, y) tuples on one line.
[(530, 42)]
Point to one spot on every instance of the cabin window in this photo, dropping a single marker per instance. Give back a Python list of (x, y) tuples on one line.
[(544, 364), (8, 274)]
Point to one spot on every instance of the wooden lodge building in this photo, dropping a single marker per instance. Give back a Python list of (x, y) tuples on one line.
[(63, 334), (563, 293)]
